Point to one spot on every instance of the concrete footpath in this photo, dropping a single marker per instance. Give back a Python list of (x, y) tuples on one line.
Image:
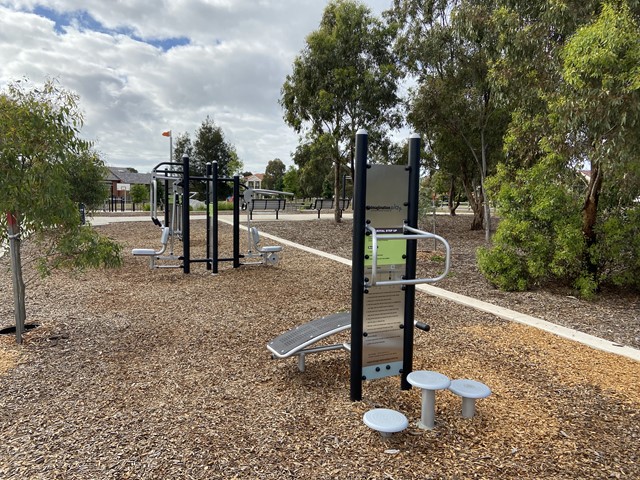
[(501, 312), (225, 217)]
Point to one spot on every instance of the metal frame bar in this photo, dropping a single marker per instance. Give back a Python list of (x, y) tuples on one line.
[(357, 264), (414, 235)]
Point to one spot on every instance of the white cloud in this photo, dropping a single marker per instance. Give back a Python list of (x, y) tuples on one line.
[(233, 67)]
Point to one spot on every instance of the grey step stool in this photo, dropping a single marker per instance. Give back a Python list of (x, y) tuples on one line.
[(429, 382), (469, 390), (385, 421)]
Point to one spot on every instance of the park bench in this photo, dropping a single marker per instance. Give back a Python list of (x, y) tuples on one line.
[(265, 204), (327, 204)]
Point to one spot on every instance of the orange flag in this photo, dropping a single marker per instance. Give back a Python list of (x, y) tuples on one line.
[(167, 133)]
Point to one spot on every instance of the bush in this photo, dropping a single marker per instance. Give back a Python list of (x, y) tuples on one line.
[(503, 268), (539, 237)]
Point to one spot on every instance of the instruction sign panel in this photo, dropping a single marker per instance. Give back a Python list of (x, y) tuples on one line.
[(383, 343), (383, 309), (389, 252)]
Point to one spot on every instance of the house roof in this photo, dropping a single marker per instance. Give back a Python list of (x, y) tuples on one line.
[(111, 177), (123, 175), (255, 177)]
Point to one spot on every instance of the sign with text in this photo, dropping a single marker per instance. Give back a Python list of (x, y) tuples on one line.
[(383, 309)]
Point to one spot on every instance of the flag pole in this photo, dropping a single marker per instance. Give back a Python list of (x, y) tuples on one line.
[(169, 134)]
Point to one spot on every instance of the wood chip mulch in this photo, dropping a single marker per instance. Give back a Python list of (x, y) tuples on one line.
[(147, 374)]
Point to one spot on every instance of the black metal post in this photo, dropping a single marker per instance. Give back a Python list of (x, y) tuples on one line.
[(207, 202), (357, 259), (344, 187), (186, 251), (214, 224), (410, 269), (166, 199), (236, 221)]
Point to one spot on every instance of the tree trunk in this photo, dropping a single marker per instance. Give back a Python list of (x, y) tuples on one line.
[(452, 193), (485, 197), (590, 215), (478, 216), (337, 213), (475, 202), (13, 230)]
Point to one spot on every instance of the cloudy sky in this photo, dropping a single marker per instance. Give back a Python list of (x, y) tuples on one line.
[(144, 67)]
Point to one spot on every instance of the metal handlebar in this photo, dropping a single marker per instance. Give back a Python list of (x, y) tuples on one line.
[(414, 234)]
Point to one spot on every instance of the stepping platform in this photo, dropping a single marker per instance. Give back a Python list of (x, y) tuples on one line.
[(469, 390), (298, 340), (385, 421), (429, 382)]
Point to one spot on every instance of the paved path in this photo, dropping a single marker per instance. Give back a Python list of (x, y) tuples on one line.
[(268, 217)]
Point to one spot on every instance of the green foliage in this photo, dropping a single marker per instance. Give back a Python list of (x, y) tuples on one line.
[(181, 145), (600, 106), (539, 238), (344, 79), (46, 169), (274, 175), (86, 172), (618, 252), (211, 146), (503, 267), (291, 181), (570, 74), (38, 136), (78, 248), (139, 193), (314, 169), (449, 46), (605, 54)]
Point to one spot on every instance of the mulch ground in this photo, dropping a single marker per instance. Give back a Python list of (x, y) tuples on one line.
[(136, 373)]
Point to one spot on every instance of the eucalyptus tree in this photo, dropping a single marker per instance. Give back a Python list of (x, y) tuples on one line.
[(274, 175), (448, 47), (313, 159), (578, 107), (291, 181), (346, 78), (45, 170)]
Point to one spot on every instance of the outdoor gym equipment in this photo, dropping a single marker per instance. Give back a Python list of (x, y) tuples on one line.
[(267, 254), (177, 177), (150, 252), (385, 235)]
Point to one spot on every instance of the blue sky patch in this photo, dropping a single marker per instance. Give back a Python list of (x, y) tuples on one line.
[(85, 21)]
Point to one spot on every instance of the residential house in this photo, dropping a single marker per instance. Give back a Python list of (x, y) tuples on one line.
[(254, 181), (121, 180)]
